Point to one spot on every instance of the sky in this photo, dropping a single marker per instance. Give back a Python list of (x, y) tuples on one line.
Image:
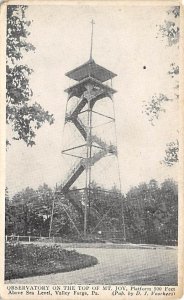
[(124, 41)]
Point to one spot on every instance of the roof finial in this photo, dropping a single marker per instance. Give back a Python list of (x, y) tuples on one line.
[(92, 23)]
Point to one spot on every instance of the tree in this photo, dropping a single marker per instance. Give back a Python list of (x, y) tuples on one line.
[(171, 153), (170, 32), (106, 210), (9, 221), (7, 199), (24, 116), (21, 208), (151, 213), (154, 107), (29, 213)]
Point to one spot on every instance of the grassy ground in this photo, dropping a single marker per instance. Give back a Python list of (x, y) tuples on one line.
[(25, 260), (138, 266)]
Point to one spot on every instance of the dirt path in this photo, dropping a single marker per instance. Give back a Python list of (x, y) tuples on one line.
[(154, 266)]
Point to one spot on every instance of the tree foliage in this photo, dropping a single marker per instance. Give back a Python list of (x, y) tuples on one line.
[(154, 107), (29, 213), (150, 213), (171, 153), (24, 116), (170, 32)]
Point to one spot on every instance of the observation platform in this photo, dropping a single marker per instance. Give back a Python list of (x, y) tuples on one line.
[(79, 88)]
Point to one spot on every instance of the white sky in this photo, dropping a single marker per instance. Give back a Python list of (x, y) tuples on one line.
[(124, 42)]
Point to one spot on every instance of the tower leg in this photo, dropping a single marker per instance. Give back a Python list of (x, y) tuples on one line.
[(88, 160), (85, 213)]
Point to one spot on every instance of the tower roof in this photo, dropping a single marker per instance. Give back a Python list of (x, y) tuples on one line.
[(90, 68)]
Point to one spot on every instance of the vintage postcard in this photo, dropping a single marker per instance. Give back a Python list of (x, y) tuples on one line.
[(91, 149)]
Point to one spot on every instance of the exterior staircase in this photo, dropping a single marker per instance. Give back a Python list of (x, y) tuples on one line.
[(75, 172), (79, 167)]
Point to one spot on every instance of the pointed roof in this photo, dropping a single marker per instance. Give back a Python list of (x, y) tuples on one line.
[(90, 68)]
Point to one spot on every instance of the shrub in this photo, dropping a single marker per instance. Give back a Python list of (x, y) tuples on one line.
[(24, 260)]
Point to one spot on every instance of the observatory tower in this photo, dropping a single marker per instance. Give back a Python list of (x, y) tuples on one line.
[(92, 84)]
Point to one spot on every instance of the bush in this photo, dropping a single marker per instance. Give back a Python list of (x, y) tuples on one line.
[(24, 260)]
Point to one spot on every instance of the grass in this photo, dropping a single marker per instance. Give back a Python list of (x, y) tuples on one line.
[(26, 260)]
